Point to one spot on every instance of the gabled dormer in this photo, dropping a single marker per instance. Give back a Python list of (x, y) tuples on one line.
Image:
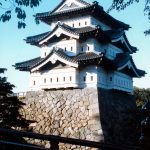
[(69, 4)]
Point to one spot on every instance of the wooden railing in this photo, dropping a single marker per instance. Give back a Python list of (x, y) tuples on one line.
[(54, 141)]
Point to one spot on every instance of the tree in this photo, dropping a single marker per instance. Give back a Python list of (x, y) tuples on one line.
[(9, 105), (5, 87), (122, 4), (17, 7), (141, 96)]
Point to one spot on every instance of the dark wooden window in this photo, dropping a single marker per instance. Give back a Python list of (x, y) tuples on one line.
[(82, 48), (71, 48), (88, 48), (51, 80), (110, 78), (84, 78), (79, 24)]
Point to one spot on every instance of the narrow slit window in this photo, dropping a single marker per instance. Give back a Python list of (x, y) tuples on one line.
[(85, 23), (71, 48), (51, 80), (65, 49), (79, 24), (88, 48), (34, 82), (110, 78), (64, 79), (82, 49), (45, 80), (91, 78), (84, 78), (45, 53), (57, 79), (70, 78), (73, 24)]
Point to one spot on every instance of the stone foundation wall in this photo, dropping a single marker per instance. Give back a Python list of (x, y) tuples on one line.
[(90, 114)]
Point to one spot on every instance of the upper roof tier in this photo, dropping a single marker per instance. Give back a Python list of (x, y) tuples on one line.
[(115, 36), (78, 8)]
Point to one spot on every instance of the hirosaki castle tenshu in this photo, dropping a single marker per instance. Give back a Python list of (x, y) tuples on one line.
[(86, 47)]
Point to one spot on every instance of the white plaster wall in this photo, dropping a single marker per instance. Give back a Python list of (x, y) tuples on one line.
[(88, 77), (34, 81), (95, 22), (69, 46), (92, 45), (102, 78), (112, 50), (56, 78), (123, 82), (76, 22)]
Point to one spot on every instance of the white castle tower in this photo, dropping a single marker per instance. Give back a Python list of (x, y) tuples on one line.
[(86, 47)]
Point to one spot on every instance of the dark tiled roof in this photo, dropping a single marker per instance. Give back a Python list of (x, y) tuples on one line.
[(34, 40), (134, 49), (123, 58), (114, 34), (28, 65), (95, 10), (87, 56)]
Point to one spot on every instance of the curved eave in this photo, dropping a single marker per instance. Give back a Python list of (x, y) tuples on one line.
[(129, 65), (26, 65), (58, 30), (55, 55), (95, 10), (124, 44), (63, 29)]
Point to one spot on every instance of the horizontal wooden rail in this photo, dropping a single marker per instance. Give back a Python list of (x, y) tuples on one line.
[(55, 140)]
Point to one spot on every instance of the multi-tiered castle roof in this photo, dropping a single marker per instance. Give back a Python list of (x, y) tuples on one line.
[(86, 47)]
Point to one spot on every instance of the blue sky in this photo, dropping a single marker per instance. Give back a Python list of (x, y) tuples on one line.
[(14, 49)]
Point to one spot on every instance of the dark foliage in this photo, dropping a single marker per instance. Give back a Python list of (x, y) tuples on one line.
[(9, 106), (122, 4), (142, 96), (17, 7)]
